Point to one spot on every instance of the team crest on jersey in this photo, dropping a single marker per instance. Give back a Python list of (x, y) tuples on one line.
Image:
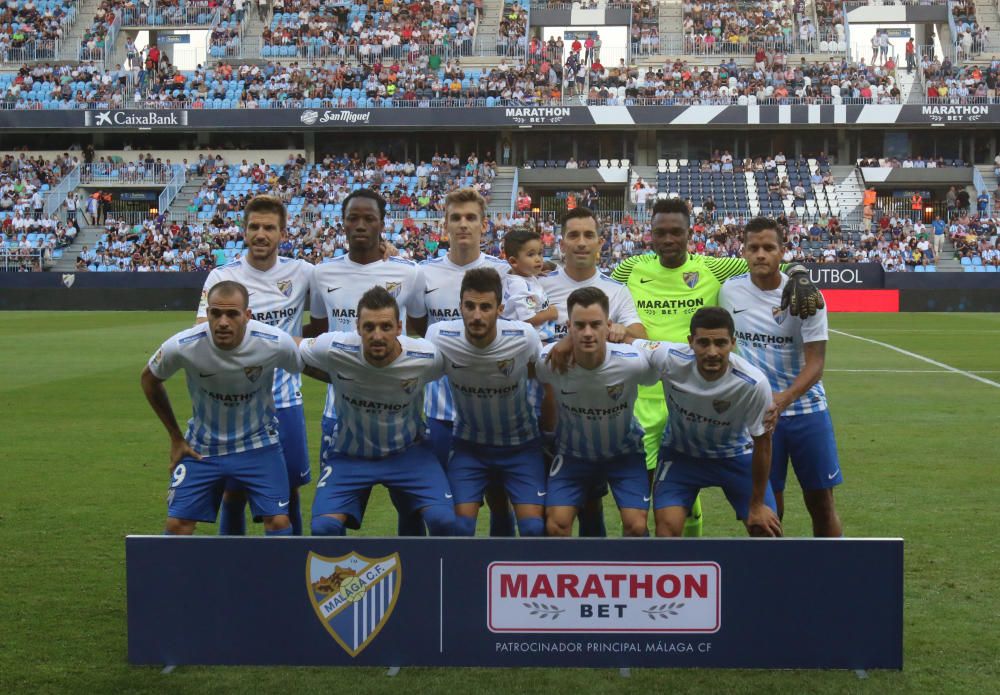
[(779, 314), (615, 391), (68, 279), (506, 367), (353, 595), (408, 385), (394, 288), (720, 405), (690, 279), (253, 373), (285, 287)]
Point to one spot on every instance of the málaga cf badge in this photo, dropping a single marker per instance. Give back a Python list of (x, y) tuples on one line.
[(353, 595), (690, 279), (285, 287)]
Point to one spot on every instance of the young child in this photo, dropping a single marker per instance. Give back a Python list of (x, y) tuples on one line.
[(523, 296)]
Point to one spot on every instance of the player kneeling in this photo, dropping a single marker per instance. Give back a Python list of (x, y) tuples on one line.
[(598, 441), (717, 403), (378, 375), (488, 362), (232, 436)]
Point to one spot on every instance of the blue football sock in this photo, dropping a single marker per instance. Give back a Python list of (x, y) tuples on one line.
[(295, 513), (327, 526), (410, 524), (168, 533), (465, 525), (592, 525), (502, 525), (531, 527), (287, 531), (232, 521), (440, 519)]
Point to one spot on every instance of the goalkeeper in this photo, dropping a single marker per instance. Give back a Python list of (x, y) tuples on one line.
[(669, 286)]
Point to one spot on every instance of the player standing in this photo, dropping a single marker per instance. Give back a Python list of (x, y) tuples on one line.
[(598, 441), (716, 433), (669, 286), (378, 376), (488, 361), (233, 431), (465, 224), (278, 289), (338, 286), (791, 352)]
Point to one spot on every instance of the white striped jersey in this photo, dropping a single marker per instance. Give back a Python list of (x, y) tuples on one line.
[(277, 298), (709, 419), (489, 385), (773, 340), (558, 286), (523, 297), (338, 285), (378, 408), (595, 405), (442, 297), (231, 390)]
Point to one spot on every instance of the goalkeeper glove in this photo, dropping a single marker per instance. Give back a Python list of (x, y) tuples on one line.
[(801, 297)]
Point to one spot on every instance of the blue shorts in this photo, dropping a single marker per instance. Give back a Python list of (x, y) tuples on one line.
[(679, 479), (329, 433), (573, 480), (196, 486), (439, 436), (292, 437), (808, 440), (346, 482), (520, 468)]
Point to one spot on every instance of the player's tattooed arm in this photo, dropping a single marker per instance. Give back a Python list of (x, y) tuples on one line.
[(317, 374), (159, 401), (801, 297)]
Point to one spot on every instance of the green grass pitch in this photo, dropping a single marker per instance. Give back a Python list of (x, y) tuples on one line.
[(85, 464)]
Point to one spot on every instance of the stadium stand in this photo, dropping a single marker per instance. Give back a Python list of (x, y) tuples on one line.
[(738, 26), (32, 30), (948, 83)]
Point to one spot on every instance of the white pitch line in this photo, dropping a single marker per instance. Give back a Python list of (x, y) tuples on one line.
[(908, 371), (928, 360)]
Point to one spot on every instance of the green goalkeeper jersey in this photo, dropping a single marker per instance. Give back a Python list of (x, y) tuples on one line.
[(666, 298)]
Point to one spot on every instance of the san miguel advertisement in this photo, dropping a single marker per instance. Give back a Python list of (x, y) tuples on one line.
[(515, 602)]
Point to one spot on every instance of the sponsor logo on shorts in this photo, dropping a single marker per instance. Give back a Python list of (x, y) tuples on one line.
[(353, 595), (604, 597)]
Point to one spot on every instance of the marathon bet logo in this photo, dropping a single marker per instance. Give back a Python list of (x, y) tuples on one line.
[(537, 114), (604, 597), (138, 119), (955, 113), (353, 595)]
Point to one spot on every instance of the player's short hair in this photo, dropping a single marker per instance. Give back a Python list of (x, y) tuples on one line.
[(667, 206), (587, 296), (377, 298), (365, 193), (465, 195), (579, 213), (515, 240), (482, 280), (712, 317), (227, 288), (266, 204), (762, 224)]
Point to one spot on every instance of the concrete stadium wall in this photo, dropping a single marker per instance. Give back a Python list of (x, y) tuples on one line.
[(181, 291)]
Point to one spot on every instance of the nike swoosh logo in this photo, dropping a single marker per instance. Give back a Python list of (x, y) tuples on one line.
[(541, 494), (833, 475), (447, 496), (342, 377), (332, 289), (303, 475), (433, 290), (738, 311), (566, 393), (646, 499), (282, 504), (458, 366), (205, 376), (643, 281)]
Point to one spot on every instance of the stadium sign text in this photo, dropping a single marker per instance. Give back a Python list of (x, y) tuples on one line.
[(538, 114), (956, 113), (311, 117), (141, 119), (619, 597)]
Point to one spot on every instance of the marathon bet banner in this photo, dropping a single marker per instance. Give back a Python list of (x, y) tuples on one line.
[(746, 603)]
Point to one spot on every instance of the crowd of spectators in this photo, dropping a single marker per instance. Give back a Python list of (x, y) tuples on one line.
[(80, 85), (972, 36), (512, 34), (949, 83), (917, 162), (325, 28), (29, 32), (719, 26)]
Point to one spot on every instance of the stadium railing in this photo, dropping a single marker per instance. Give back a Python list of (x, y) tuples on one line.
[(116, 172), (325, 50), (101, 53), (32, 51), (173, 187), (952, 48), (157, 16), (54, 198), (14, 260), (690, 45)]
